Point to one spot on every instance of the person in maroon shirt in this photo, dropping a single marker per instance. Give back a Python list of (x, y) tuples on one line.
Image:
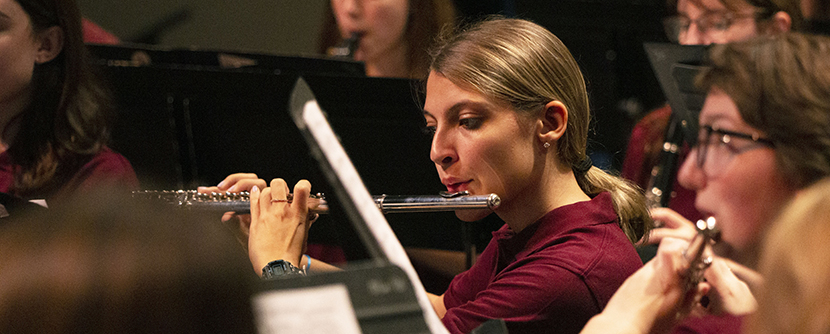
[(508, 109), (700, 22), (54, 116), (763, 139)]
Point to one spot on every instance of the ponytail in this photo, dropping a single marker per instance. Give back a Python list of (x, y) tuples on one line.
[(628, 200)]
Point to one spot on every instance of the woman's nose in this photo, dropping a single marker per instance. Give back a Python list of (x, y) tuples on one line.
[(690, 175), (442, 152), (351, 7)]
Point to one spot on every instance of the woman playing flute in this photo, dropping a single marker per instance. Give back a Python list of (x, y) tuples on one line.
[(508, 109)]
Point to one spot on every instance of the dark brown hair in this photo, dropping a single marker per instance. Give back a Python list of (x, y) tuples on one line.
[(781, 86), (67, 120), (109, 264), (425, 21)]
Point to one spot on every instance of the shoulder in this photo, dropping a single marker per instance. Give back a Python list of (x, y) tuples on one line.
[(533, 292), (593, 247), (109, 159), (107, 167), (592, 250)]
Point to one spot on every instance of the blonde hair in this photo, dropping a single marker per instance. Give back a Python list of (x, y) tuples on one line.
[(795, 263), (522, 64)]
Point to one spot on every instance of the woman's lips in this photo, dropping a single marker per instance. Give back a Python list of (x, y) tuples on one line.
[(455, 187)]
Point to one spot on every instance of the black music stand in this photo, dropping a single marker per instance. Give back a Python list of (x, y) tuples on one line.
[(133, 54), (676, 67)]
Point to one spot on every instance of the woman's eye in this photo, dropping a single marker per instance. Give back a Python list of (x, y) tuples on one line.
[(470, 123), (429, 130)]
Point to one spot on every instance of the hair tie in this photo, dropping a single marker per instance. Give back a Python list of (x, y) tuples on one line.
[(583, 166)]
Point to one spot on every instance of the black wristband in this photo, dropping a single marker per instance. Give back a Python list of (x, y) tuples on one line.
[(280, 268)]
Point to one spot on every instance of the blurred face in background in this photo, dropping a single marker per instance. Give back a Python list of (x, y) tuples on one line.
[(379, 23), (18, 52), (710, 21)]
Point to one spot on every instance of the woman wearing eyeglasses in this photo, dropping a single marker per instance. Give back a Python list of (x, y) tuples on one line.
[(723, 21), (764, 136), (701, 22)]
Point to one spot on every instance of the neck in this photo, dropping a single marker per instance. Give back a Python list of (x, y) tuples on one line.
[(393, 63), (557, 188)]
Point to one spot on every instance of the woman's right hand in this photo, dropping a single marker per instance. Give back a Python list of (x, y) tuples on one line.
[(239, 224), (672, 225), (279, 228)]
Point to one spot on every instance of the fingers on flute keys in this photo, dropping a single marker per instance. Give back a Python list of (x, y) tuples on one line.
[(280, 197), (699, 254)]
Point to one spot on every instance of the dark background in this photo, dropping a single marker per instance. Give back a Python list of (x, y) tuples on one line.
[(184, 126)]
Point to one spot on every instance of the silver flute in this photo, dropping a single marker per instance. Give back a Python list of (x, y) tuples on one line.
[(240, 202), (707, 235)]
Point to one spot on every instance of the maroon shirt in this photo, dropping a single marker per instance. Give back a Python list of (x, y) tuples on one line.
[(93, 33), (551, 277), (710, 324), (107, 168)]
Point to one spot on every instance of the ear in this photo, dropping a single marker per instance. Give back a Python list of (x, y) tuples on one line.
[(780, 22), (51, 44), (554, 122)]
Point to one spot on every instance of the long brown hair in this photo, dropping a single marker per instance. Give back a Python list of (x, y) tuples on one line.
[(425, 21), (67, 120), (524, 65)]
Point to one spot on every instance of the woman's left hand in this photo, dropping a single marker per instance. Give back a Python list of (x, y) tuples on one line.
[(279, 229), (728, 293)]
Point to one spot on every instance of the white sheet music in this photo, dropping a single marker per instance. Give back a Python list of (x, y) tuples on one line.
[(343, 167), (315, 310)]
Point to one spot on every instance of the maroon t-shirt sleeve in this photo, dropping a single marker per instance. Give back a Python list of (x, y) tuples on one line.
[(467, 284), (106, 169), (521, 295), (710, 324)]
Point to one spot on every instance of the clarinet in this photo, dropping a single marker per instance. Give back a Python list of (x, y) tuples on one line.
[(663, 174)]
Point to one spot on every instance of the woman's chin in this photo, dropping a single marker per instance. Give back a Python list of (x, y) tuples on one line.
[(472, 215)]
